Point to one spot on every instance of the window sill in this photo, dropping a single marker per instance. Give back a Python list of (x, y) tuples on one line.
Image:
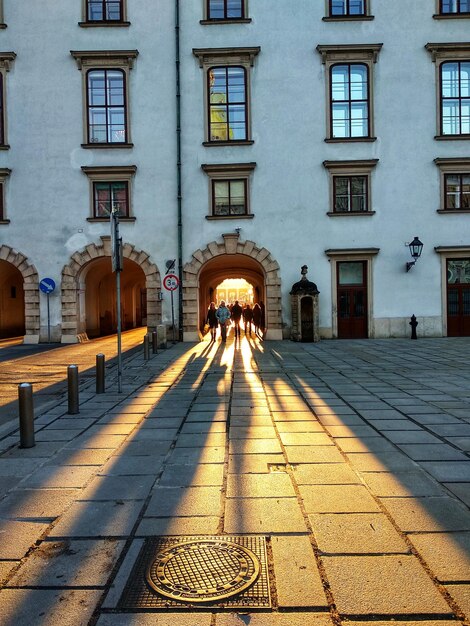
[(453, 211), (106, 219), (3, 26), (238, 142), (4, 221), (451, 137), (243, 20), (351, 140), (104, 24), (248, 216), (102, 146), (5, 146), (451, 16), (349, 213), (348, 18)]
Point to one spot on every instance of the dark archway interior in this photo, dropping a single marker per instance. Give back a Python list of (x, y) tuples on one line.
[(225, 266), (12, 315)]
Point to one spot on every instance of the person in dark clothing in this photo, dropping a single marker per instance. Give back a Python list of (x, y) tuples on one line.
[(256, 317), (236, 317), (262, 323), (212, 320), (247, 318)]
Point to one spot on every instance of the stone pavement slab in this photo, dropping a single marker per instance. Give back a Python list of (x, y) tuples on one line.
[(57, 476), (313, 454), (121, 465), (337, 499), (430, 514), (273, 619), (197, 455), (191, 525), (156, 619), (98, 519), (461, 490), (413, 484), (88, 456), (263, 515), (36, 503), (25, 534), (364, 444), (431, 452), (447, 554), (273, 485), (325, 474), (380, 585), (254, 446), (461, 594), (253, 463), (381, 462), (208, 474), (448, 471), (118, 487), (184, 501)]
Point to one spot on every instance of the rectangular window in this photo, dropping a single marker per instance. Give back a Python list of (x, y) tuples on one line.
[(229, 189), (109, 196), (229, 197), (106, 106), (227, 104), (455, 98), (347, 8), (104, 10), (225, 9), (454, 7), (349, 101), (457, 191), (350, 193)]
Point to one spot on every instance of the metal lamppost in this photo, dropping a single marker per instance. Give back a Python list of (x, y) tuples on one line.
[(116, 255), (416, 247)]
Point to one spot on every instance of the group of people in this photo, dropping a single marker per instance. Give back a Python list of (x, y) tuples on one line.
[(224, 315)]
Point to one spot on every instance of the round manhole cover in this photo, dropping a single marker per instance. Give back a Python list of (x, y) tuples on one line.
[(203, 570)]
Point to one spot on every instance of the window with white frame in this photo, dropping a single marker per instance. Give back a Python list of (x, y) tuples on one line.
[(350, 187), (229, 189)]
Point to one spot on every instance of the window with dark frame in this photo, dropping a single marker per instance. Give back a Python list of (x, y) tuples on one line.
[(106, 106), (104, 11), (454, 7), (347, 8), (227, 103), (457, 192), (108, 196), (455, 98), (225, 9), (350, 194), (229, 197), (349, 100)]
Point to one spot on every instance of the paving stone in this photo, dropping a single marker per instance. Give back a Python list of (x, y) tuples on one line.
[(207, 416), (247, 422), (121, 465), (57, 476), (337, 499), (165, 435), (36, 503), (452, 430), (98, 519), (324, 474), (428, 514), (96, 441), (144, 448), (195, 440), (364, 444), (356, 533), (381, 462), (252, 432), (313, 454), (306, 439), (184, 501), (253, 463), (447, 554), (394, 424), (381, 414), (78, 423), (208, 474), (42, 449), (254, 446), (431, 452), (25, 534), (203, 427), (380, 585), (353, 430), (115, 428), (416, 484), (461, 442), (8, 482), (273, 485), (408, 622), (69, 563), (448, 471), (118, 488), (156, 619), (299, 427), (461, 490), (298, 581), (22, 607), (125, 418), (331, 419), (189, 525), (294, 416), (411, 436), (461, 594), (48, 434), (263, 515), (89, 456), (18, 467), (197, 455)]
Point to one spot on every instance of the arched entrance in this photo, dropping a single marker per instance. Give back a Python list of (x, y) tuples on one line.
[(89, 292), (230, 259), (19, 296)]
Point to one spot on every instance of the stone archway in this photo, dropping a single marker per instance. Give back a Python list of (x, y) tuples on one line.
[(31, 291), (231, 246), (71, 285)]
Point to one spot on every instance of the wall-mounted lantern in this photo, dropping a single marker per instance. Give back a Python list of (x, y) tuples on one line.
[(416, 247)]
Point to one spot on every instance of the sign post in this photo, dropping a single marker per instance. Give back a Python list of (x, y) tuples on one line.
[(171, 283), (47, 286), (116, 256)]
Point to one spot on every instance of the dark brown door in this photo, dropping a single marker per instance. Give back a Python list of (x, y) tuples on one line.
[(352, 299), (306, 317), (458, 297)]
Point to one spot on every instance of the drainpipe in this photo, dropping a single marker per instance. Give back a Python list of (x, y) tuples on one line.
[(178, 167)]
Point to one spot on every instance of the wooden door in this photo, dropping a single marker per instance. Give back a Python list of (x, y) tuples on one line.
[(352, 299), (458, 297)]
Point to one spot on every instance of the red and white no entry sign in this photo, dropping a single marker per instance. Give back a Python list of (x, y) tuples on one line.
[(171, 282)]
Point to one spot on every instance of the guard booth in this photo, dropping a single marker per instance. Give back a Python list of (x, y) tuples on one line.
[(304, 305)]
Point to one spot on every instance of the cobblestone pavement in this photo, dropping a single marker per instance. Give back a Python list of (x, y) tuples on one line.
[(350, 457)]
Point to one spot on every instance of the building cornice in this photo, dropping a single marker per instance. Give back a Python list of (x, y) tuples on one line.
[(117, 57), (208, 55)]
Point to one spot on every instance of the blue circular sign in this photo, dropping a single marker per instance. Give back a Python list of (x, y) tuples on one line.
[(47, 285)]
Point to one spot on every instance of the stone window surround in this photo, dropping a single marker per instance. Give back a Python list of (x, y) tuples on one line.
[(4, 174), (103, 60), (6, 59), (448, 16), (350, 168), (111, 24), (457, 165), (443, 53), (351, 254), (448, 252), (229, 171), (333, 54), (347, 18), (107, 174), (206, 20), (226, 57), (2, 22)]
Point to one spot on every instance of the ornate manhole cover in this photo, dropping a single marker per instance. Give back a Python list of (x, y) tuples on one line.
[(203, 570), (199, 571)]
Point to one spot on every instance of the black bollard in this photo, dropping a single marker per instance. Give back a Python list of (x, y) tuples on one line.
[(146, 347), (26, 408), (413, 325), (100, 373), (72, 385), (154, 342)]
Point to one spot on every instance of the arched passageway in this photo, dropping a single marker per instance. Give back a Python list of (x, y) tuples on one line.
[(230, 259), (89, 292), (19, 296)]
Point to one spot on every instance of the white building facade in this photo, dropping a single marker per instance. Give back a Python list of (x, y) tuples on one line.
[(242, 139)]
